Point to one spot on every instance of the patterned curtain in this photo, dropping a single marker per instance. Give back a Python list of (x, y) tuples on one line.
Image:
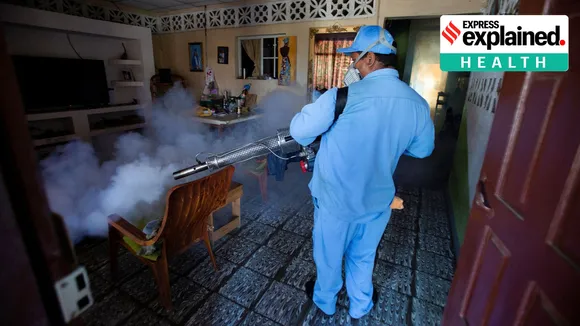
[(330, 66)]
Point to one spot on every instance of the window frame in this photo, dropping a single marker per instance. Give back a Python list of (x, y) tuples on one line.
[(261, 37)]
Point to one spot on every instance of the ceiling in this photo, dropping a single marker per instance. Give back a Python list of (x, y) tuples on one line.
[(168, 5)]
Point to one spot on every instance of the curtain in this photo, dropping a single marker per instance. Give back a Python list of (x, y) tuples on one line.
[(254, 50), (330, 66)]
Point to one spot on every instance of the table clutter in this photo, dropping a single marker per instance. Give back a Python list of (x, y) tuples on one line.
[(222, 105)]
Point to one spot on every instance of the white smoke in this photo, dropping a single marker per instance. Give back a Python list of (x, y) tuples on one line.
[(134, 183)]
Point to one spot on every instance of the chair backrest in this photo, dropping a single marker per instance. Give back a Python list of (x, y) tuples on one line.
[(188, 207)]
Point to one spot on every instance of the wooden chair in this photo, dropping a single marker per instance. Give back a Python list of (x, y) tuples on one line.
[(185, 222)]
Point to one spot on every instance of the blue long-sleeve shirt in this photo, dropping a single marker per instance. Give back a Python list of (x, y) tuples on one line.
[(383, 119)]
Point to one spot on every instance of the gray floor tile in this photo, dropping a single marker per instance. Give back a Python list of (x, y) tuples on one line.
[(299, 272), (128, 265), (306, 252), (300, 226), (267, 261), (432, 288), (402, 190), (394, 277), (282, 303), (425, 313), (440, 246), (237, 249), (146, 317), (400, 235), (286, 242), (396, 253), (96, 256), (278, 244), (252, 211), (391, 309), (184, 263), (184, 295), (257, 232), (274, 217), (435, 228), (404, 221), (435, 264), (410, 204), (99, 286), (307, 211), (254, 319), (244, 287), (316, 317), (205, 274), (217, 311), (114, 308), (141, 287)]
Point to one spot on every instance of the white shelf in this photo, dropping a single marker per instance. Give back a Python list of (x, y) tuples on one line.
[(124, 83), (54, 140), (65, 114), (117, 129), (122, 62)]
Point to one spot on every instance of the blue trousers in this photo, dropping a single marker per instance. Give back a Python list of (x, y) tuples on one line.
[(333, 239)]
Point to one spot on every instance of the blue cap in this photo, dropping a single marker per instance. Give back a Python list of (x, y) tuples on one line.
[(369, 35)]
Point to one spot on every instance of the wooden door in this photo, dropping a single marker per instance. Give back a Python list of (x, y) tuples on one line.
[(35, 250), (520, 262)]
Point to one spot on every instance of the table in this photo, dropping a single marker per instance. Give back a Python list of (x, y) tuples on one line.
[(227, 120)]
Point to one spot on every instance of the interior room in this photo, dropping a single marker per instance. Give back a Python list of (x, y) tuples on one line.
[(150, 176)]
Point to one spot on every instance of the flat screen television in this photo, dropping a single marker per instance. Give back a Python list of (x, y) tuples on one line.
[(52, 84)]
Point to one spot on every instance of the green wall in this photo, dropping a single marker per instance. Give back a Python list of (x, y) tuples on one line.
[(459, 181)]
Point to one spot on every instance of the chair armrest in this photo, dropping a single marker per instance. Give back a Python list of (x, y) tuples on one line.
[(235, 192), (129, 230)]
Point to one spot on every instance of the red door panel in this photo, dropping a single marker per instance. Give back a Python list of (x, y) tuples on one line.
[(520, 262)]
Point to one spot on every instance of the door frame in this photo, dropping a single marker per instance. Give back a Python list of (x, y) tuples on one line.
[(47, 252)]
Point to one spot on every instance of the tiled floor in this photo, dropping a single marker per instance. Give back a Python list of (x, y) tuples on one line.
[(265, 264)]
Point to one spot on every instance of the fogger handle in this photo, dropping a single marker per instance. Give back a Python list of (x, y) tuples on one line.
[(189, 171)]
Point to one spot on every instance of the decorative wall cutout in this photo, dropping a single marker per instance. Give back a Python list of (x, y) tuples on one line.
[(246, 15), (483, 92)]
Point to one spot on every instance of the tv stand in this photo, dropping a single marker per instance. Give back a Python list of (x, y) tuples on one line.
[(58, 128)]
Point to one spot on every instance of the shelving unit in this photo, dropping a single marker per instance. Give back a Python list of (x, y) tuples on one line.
[(85, 123), (121, 62), (127, 83)]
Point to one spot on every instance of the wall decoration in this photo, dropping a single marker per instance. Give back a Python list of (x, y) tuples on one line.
[(223, 53), (286, 60), (195, 57), (279, 12)]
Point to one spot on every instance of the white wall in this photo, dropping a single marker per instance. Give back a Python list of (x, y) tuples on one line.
[(480, 105), (38, 32)]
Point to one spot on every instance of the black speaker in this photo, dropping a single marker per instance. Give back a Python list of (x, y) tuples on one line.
[(165, 75)]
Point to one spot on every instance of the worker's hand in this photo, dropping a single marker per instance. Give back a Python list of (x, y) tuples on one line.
[(397, 203)]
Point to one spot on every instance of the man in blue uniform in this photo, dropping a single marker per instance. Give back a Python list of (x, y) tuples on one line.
[(352, 184)]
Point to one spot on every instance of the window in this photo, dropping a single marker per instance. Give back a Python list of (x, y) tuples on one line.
[(264, 50), (329, 66)]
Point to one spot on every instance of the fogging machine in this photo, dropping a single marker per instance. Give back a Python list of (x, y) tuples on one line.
[(280, 145)]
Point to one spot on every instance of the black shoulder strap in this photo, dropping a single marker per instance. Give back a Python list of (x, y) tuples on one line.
[(341, 97)]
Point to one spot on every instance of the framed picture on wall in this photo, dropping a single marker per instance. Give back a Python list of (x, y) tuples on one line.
[(195, 57), (222, 55)]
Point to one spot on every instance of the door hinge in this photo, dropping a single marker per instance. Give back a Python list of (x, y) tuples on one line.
[(74, 294)]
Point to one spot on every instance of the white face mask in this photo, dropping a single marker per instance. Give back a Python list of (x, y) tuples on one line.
[(352, 75)]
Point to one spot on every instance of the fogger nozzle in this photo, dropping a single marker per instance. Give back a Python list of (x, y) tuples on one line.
[(281, 142), (189, 171)]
